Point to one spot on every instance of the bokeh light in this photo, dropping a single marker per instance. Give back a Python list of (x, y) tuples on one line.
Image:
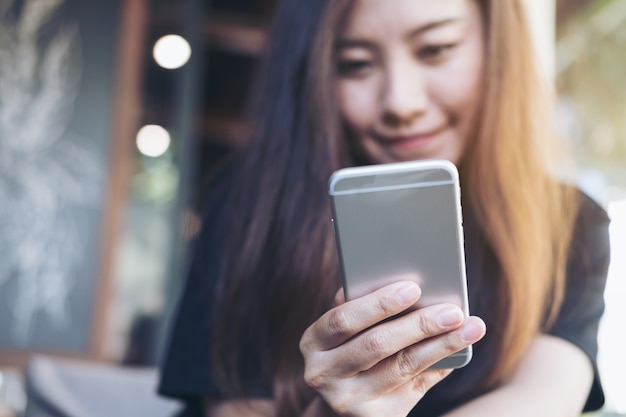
[(153, 140), (171, 51)]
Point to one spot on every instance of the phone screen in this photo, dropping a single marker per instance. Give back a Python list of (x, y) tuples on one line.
[(391, 233), (396, 219)]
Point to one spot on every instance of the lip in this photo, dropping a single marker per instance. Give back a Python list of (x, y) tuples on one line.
[(414, 140)]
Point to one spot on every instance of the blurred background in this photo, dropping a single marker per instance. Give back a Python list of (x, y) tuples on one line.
[(112, 116)]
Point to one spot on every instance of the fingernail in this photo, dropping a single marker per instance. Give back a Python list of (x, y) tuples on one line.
[(408, 294), (472, 331), (450, 317)]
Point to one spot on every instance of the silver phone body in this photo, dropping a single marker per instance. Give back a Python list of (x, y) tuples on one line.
[(402, 218)]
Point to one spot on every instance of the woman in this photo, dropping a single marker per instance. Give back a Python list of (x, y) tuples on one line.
[(262, 328)]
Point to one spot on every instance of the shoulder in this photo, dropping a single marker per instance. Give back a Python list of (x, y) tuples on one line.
[(590, 239), (589, 210), (587, 263)]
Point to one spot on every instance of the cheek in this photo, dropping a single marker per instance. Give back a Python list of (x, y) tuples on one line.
[(458, 90), (358, 103)]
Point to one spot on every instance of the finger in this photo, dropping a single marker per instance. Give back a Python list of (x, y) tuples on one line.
[(379, 342), (347, 320), (408, 363)]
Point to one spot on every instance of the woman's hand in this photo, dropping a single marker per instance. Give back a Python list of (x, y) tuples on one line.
[(363, 362)]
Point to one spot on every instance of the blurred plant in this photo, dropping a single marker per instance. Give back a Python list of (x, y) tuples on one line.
[(592, 84), (50, 179)]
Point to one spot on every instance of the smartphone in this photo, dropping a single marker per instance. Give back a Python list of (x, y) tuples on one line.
[(398, 219)]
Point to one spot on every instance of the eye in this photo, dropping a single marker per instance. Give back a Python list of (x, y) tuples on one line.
[(354, 68), (435, 53)]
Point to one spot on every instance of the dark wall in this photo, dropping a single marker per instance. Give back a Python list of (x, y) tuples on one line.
[(57, 79)]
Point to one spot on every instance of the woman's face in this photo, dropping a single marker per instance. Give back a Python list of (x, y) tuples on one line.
[(409, 77)]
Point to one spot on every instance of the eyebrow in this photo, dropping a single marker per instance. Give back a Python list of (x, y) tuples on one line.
[(433, 25), (356, 43)]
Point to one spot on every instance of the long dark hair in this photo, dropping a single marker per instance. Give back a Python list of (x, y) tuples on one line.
[(279, 267)]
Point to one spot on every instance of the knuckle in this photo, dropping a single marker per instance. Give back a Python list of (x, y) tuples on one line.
[(406, 364), (303, 346), (451, 344), (426, 380), (440, 374), (304, 343), (421, 385), (375, 342), (426, 326), (338, 322), (388, 306), (312, 380)]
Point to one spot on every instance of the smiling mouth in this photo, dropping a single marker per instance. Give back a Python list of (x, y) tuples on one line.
[(412, 140)]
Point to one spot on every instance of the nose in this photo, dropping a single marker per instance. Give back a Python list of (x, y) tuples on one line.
[(405, 96)]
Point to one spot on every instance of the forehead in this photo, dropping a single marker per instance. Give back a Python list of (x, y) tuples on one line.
[(388, 17)]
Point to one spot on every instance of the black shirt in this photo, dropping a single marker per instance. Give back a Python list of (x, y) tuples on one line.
[(187, 373)]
